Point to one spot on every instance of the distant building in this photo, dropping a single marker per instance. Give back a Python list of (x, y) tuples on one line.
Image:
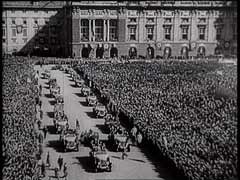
[(130, 28)]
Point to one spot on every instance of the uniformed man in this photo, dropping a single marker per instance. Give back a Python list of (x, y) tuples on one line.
[(60, 162)]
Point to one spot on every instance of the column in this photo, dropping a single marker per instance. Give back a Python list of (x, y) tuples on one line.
[(90, 29), (93, 29), (104, 29), (108, 29)]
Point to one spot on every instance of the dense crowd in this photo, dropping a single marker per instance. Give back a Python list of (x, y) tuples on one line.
[(19, 142), (189, 109)]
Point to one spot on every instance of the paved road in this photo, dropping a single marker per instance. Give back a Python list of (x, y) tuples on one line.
[(138, 165)]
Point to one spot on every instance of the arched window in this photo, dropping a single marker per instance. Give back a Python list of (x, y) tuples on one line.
[(99, 52), (150, 52), (85, 52), (133, 52), (218, 50), (113, 52), (167, 52), (184, 52), (201, 51)]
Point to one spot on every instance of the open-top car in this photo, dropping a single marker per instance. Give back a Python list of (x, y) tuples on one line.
[(91, 100), (101, 160), (46, 74), (55, 91), (59, 99), (119, 141), (99, 110), (85, 91), (79, 82), (69, 139), (60, 125)]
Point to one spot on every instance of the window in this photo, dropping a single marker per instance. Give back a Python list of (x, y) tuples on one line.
[(4, 40), (35, 22), (53, 29), (14, 32), (167, 31), (25, 40), (13, 22), (24, 32), (185, 20), (35, 31), (53, 40), (3, 22), (201, 32), (150, 20), (46, 21), (234, 31), (99, 30), (167, 20), (14, 40), (25, 22), (184, 32), (132, 32), (113, 30), (218, 33), (150, 32), (132, 20), (84, 30), (201, 20), (3, 32)]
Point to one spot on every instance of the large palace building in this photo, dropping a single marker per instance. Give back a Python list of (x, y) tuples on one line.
[(104, 29)]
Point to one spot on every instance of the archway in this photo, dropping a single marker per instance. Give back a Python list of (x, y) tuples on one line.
[(132, 52), (184, 52), (113, 52), (167, 52), (85, 52), (201, 51), (150, 52), (218, 50), (99, 52)]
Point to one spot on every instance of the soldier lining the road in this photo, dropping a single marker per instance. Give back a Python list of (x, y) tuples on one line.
[(41, 114), (65, 171), (60, 162), (43, 169), (48, 160), (77, 124), (45, 131)]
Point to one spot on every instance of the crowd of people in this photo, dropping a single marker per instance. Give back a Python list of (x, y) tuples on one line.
[(19, 92), (188, 109)]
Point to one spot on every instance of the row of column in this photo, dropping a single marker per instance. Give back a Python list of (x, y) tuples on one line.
[(106, 29)]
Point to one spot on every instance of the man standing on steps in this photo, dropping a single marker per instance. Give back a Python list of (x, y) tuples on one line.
[(45, 131)]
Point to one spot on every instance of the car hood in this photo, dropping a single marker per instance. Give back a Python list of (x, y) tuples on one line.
[(102, 156), (121, 138), (70, 138)]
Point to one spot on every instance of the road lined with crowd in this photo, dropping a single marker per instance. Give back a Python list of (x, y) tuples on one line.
[(188, 109)]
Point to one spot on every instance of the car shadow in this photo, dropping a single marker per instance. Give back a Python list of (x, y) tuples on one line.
[(78, 94), (48, 96), (102, 128), (86, 163), (55, 144), (46, 87), (91, 114), (73, 85), (83, 103), (52, 102), (50, 114), (51, 129)]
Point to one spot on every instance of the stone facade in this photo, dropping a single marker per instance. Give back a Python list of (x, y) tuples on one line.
[(169, 28)]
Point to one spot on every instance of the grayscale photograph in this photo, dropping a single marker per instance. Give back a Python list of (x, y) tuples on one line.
[(119, 90)]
